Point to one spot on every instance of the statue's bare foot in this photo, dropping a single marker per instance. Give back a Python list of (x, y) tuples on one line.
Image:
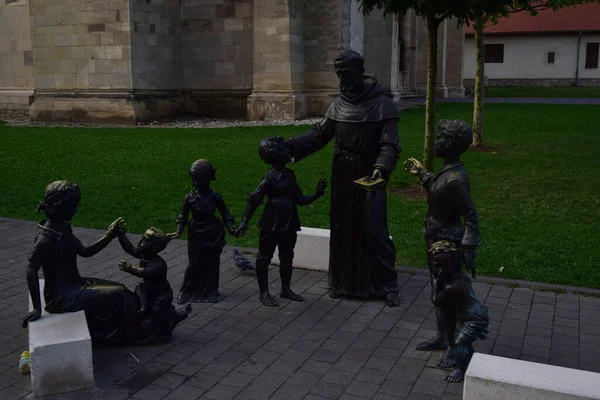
[(183, 298), (335, 294), (213, 298), (392, 299), (286, 293), (449, 359), (455, 376), (266, 300), (437, 343)]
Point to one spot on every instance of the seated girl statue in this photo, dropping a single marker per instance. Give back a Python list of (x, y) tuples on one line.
[(110, 308)]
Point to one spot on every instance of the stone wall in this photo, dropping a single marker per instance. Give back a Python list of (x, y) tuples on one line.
[(155, 57), (322, 43), (135, 60), (381, 50), (452, 43), (217, 49), (16, 56), (278, 70), (82, 60), (449, 56)]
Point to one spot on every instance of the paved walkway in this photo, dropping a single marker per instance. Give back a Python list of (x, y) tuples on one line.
[(532, 100), (319, 349)]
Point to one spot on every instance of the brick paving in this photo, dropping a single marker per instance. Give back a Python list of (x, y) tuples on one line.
[(318, 349)]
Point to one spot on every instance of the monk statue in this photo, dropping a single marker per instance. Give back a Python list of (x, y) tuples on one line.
[(452, 237), (362, 122), (111, 309)]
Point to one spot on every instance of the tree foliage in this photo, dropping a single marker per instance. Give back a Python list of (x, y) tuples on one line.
[(532, 8), (435, 12)]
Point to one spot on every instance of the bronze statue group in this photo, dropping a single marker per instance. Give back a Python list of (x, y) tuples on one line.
[(362, 123)]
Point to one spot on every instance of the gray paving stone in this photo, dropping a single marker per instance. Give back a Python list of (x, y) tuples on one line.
[(305, 379), (328, 390), (362, 389), (348, 365), (318, 349)]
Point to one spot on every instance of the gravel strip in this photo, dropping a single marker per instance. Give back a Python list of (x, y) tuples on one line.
[(21, 118)]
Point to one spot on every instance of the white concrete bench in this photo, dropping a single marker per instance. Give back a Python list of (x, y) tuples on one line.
[(498, 378), (61, 352), (311, 251)]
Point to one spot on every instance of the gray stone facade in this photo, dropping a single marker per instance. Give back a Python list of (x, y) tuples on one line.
[(16, 57), (137, 60), (413, 57)]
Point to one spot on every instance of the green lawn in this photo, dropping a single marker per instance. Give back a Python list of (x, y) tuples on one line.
[(538, 197), (536, 92)]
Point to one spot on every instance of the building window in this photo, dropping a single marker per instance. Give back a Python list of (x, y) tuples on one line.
[(493, 53), (591, 55), (551, 57)]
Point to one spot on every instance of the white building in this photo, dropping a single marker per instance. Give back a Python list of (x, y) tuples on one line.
[(554, 48)]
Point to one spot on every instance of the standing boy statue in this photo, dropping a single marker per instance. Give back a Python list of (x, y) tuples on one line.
[(279, 223), (452, 236)]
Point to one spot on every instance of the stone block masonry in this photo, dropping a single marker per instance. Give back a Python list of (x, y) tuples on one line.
[(217, 56), (16, 56), (82, 61), (255, 59)]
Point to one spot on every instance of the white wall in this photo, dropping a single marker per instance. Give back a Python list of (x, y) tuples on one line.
[(525, 57)]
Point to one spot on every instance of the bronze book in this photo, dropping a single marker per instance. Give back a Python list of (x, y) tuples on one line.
[(369, 184)]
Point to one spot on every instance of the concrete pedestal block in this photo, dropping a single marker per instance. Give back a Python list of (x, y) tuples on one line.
[(61, 352), (312, 250), (498, 378)]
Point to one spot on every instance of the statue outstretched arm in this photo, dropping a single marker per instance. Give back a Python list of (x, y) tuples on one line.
[(304, 200), (315, 139), (154, 268), (104, 241), (254, 200), (128, 246), (389, 148), (415, 167), (182, 218)]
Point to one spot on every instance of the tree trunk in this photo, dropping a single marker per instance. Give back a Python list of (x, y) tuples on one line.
[(432, 28), (479, 76)]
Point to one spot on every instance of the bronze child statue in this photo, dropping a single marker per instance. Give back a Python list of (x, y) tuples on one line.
[(452, 237), (154, 292), (206, 235), (111, 309), (456, 299), (279, 223)]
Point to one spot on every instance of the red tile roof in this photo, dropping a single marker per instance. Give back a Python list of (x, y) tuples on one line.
[(583, 17)]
